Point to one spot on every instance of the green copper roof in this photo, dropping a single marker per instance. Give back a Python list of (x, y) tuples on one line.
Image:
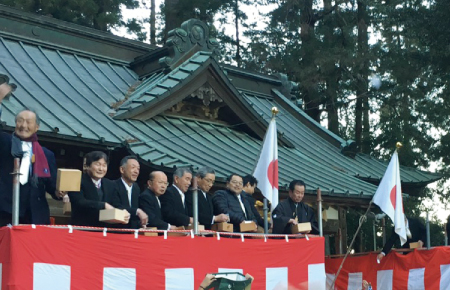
[(314, 146), (77, 97)]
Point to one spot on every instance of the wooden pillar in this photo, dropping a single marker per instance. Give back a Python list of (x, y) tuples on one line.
[(361, 242), (341, 237)]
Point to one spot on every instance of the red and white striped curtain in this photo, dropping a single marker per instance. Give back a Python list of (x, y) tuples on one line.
[(418, 270), (45, 258)]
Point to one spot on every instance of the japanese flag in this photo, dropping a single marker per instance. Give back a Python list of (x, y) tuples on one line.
[(389, 197), (266, 170)]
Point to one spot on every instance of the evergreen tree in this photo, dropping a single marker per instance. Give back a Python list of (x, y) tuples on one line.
[(99, 14)]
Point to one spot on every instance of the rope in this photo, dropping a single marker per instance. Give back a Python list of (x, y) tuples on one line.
[(187, 232)]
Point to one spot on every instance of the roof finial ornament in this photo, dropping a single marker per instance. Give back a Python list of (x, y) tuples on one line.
[(192, 36), (398, 145)]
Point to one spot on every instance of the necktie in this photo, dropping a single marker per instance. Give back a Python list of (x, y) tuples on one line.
[(99, 191), (242, 205), (129, 194), (295, 212), (25, 163), (182, 199), (159, 203)]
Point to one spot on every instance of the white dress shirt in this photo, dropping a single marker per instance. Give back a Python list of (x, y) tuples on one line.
[(25, 164), (242, 204), (128, 188), (181, 194), (97, 183)]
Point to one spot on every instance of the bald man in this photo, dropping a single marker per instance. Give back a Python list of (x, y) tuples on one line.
[(37, 168), (149, 200)]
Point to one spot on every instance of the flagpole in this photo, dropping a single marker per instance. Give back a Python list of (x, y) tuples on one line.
[(266, 213), (195, 204), (319, 210)]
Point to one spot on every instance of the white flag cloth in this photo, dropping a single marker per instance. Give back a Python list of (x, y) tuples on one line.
[(389, 197), (266, 170)]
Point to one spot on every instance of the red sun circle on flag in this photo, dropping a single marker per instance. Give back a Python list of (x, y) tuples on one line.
[(393, 199), (272, 173)]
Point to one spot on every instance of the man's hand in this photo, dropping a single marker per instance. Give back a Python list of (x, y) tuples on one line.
[(209, 278), (221, 218), (5, 89), (127, 217), (60, 194), (172, 228), (249, 277), (142, 216), (380, 257), (420, 243), (293, 221), (108, 206)]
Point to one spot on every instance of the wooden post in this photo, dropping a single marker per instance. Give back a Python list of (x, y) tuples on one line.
[(343, 227)]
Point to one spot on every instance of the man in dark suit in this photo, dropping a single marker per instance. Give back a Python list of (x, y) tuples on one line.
[(173, 202), (231, 202), (292, 211), (415, 232), (37, 168), (126, 195), (95, 193), (149, 200), (205, 180), (250, 183)]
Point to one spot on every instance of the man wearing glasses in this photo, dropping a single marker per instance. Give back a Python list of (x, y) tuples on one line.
[(205, 180), (230, 202)]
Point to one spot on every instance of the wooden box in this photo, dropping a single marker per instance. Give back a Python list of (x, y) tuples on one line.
[(112, 216), (68, 180), (67, 208), (222, 227), (177, 234), (149, 234), (301, 228), (247, 226), (200, 227), (414, 245)]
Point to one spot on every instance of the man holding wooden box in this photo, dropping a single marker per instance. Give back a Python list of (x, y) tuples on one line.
[(37, 168), (173, 202), (292, 211), (250, 184), (205, 180), (416, 234), (95, 194), (150, 203), (126, 195), (232, 203)]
